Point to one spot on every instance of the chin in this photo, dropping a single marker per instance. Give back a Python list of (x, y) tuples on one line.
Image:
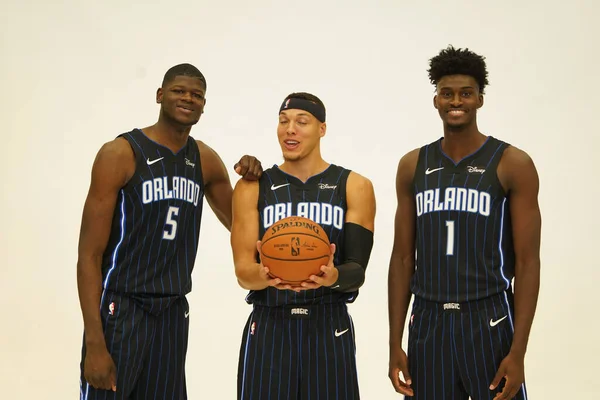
[(289, 156)]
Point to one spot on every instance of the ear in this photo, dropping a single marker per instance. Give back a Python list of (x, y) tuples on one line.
[(435, 102), (480, 101), (322, 129), (159, 95)]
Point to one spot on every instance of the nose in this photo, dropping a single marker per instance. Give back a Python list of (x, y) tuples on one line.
[(456, 100), (187, 97), (290, 129)]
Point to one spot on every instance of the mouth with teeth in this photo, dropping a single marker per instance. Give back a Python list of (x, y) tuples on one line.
[(185, 109), (291, 144), (456, 112)]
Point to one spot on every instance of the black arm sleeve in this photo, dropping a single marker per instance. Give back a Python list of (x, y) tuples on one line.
[(358, 243)]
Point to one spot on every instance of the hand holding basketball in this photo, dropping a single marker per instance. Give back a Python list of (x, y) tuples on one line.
[(328, 277), (275, 282)]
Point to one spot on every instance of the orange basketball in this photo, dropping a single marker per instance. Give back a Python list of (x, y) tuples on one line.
[(294, 248)]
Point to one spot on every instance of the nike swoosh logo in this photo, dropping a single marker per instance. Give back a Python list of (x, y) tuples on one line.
[(153, 161), (429, 171), (340, 333), (186, 314), (494, 323), (273, 187)]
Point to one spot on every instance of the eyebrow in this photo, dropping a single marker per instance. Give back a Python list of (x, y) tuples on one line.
[(464, 87)]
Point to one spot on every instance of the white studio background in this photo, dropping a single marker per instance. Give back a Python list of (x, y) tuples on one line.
[(77, 73)]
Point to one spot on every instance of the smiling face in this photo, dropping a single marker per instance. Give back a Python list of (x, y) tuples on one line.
[(182, 100), (299, 134), (457, 101)]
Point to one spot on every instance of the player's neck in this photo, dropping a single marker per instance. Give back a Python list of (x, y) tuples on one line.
[(168, 135), (459, 143), (305, 168)]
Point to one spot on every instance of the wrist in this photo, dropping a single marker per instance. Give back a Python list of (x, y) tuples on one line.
[(517, 351), (95, 342)]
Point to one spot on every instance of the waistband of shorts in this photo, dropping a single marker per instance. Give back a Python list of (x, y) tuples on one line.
[(466, 306), (294, 311)]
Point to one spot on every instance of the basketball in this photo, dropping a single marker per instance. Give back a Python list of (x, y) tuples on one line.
[(294, 248)]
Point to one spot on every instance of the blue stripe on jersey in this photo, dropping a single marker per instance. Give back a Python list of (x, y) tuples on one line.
[(500, 245), (114, 257)]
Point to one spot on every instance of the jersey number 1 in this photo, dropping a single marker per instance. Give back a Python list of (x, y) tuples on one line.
[(450, 237), (169, 234)]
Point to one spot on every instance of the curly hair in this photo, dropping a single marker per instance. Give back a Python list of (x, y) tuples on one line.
[(451, 61)]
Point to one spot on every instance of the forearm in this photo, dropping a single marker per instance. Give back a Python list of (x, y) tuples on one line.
[(248, 276), (89, 284), (400, 274), (527, 283)]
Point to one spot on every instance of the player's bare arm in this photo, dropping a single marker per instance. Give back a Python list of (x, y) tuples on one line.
[(217, 184), (113, 167), (244, 239), (359, 229), (518, 176), (401, 270)]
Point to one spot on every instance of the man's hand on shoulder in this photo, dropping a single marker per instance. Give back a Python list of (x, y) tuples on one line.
[(249, 168)]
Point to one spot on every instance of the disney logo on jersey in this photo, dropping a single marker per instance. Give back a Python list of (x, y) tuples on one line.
[(453, 199), (323, 214), (189, 163), (324, 186), (475, 170)]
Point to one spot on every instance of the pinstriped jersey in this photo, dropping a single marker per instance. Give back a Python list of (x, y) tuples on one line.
[(463, 228), (154, 234), (322, 198)]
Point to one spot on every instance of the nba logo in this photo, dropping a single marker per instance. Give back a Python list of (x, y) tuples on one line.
[(111, 308), (252, 328), (295, 246), (412, 317), (287, 102)]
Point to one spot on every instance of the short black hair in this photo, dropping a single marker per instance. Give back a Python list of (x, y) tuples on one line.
[(451, 61), (183, 70), (306, 96)]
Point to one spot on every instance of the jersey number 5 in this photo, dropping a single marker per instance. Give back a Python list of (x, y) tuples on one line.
[(170, 233), (450, 237)]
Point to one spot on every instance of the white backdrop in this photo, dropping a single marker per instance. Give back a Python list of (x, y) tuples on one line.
[(76, 73)]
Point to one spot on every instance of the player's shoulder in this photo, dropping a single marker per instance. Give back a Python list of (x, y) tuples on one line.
[(204, 148), (515, 157), (358, 183), (408, 162), (117, 149)]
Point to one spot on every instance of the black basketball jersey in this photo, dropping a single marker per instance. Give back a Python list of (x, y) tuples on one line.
[(463, 229), (154, 235), (322, 198)]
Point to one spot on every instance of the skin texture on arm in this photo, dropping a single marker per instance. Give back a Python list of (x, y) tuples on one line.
[(244, 239), (518, 176), (360, 199), (401, 270), (217, 185), (218, 188), (113, 167)]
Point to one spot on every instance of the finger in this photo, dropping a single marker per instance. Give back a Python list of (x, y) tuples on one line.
[(508, 391), (310, 285), (113, 378), (497, 378), (258, 246), (406, 375), (394, 376)]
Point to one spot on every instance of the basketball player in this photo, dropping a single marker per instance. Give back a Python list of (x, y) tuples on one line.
[(138, 242), (468, 204), (298, 342)]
